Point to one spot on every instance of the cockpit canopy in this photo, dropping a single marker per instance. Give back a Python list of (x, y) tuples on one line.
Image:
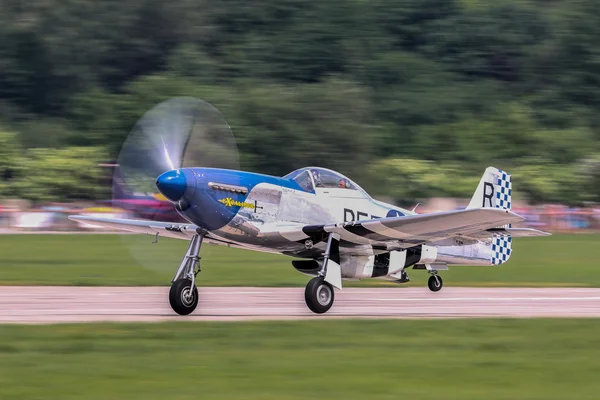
[(310, 177)]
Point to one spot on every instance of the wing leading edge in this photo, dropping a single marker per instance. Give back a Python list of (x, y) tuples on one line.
[(168, 229)]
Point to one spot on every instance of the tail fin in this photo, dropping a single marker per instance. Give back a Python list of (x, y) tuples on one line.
[(495, 191)]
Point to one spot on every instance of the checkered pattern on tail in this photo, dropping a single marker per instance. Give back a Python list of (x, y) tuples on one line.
[(504, 191), (501, 249), (502, 244)]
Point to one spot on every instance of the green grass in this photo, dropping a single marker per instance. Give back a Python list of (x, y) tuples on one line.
[(444, 359), (562, 260)]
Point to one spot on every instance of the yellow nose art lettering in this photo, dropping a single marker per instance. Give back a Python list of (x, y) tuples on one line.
[(229, 202)]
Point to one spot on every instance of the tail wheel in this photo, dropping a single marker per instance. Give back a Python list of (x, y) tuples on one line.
[(435, 283), (183, 297), (319, 295)]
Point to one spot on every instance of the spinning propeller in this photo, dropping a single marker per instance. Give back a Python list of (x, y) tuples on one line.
[(181, 132)]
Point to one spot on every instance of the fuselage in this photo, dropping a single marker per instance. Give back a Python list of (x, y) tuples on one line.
[(264, 213), (247, 208)]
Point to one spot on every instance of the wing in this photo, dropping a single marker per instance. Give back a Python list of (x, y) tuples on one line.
[(168, 229), (408, 231)]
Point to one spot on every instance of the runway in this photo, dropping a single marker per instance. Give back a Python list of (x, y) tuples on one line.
[(44, 305)]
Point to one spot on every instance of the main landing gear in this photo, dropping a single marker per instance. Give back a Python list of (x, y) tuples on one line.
[(183, 295), (319, 294)]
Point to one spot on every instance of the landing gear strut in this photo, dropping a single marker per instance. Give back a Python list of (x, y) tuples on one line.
[(435, 282), (183, 295)]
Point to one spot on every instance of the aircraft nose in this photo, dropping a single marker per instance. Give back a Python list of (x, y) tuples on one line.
[(172, 184)]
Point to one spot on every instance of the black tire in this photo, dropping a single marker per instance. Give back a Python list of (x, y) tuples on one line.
[(179, 303), (319, 295), (435, 283)]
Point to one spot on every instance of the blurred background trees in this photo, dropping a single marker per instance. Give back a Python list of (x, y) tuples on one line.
[(412, 98)]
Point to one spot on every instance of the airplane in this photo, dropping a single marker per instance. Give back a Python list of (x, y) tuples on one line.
[(331, 227), (329, 224)]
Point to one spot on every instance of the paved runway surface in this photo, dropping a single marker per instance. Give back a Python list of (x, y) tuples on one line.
[(87, 304)]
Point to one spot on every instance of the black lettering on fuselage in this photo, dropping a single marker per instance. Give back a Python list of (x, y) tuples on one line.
[(346, 212), (360, 214), (488, 195)]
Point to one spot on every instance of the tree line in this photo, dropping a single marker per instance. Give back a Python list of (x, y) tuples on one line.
[(411, 99)]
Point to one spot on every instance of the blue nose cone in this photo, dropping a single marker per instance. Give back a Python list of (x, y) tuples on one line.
[(172, 184)]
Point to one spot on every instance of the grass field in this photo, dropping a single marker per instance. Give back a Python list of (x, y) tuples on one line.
[(106, 260), (453, 359)]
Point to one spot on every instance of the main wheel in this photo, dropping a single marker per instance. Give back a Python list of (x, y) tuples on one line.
[(182, 297), (319, 295), (435, 283)]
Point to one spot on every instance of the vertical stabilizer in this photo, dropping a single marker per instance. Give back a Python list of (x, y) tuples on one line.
[(495, 191)]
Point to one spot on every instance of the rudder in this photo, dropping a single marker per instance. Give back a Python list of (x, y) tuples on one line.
[(501, 249)]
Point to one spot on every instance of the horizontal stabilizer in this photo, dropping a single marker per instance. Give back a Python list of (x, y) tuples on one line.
[(523, 232), (497, 232)]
